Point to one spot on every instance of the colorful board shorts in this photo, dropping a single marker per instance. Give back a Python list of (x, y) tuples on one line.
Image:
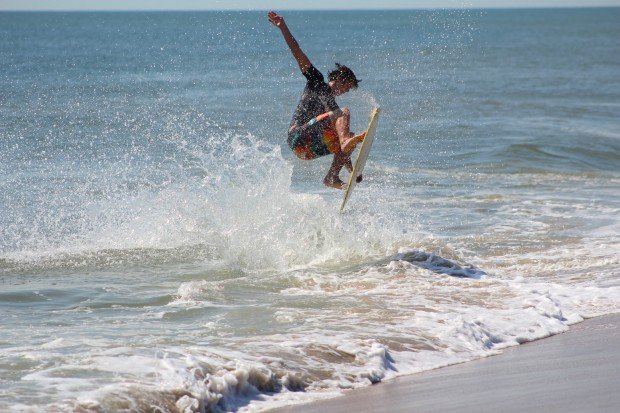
[(314, 139)]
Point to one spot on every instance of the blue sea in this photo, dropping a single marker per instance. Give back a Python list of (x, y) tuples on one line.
[(162, 250)]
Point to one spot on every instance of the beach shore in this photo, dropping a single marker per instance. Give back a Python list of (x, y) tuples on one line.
[(577, 371)]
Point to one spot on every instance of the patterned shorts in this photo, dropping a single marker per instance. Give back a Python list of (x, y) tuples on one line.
[(314, 139)]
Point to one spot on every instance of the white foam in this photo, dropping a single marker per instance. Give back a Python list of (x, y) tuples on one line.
[(403, 314), (316, 300)]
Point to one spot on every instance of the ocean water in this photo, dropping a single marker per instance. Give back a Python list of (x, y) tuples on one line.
[(161, 249)]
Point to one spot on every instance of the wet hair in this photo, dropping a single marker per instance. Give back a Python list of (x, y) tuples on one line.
[(344, 74)]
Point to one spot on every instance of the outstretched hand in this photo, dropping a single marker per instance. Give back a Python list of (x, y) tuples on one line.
[(276, 19)]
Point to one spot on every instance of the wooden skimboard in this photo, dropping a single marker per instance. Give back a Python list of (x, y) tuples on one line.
[(362, 155)]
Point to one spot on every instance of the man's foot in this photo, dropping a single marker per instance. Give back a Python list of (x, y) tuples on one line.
[(333, 182), (349, 145), (360, 137)]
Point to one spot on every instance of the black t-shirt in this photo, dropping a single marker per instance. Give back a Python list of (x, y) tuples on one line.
[(317, 98)]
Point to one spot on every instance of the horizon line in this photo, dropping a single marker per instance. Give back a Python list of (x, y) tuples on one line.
[(319, 9)]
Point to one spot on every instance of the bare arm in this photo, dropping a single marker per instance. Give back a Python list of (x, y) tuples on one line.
[(298, 54)]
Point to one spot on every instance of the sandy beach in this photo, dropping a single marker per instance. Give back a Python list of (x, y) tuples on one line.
[(577, 371)]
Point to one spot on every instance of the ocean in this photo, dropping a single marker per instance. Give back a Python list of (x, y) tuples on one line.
[(161, 248)]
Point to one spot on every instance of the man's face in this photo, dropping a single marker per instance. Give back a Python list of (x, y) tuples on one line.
[(341, 87)]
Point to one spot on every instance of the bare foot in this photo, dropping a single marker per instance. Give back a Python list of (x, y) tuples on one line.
[(352, 142), (333, 182), (360, 137)]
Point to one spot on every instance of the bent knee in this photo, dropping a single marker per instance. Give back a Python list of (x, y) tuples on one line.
[(342, 114)]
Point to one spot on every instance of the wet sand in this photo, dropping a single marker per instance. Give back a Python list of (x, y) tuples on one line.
[(577, 371)]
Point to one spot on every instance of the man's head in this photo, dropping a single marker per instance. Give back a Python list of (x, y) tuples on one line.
[(342, 79)]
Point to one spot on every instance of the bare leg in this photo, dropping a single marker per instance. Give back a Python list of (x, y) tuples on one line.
[(348, 164), (332, 179), (348, 140), (342, 127)]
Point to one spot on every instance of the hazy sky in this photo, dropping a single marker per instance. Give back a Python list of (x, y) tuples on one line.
[(284, 4)]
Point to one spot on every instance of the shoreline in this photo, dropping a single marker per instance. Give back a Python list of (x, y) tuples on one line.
[(574, 371)]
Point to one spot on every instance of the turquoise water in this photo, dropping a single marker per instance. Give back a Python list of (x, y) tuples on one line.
[(161, 246)]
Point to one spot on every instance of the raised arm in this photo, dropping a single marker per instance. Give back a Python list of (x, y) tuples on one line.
[(300, 56)]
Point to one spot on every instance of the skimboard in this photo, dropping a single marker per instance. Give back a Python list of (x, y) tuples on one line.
[(362, 155)]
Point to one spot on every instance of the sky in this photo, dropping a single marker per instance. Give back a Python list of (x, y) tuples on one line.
[(286, 4)]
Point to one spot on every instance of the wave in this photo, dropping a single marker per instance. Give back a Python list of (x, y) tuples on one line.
[(225, 197), (585, 157), (404, 315)]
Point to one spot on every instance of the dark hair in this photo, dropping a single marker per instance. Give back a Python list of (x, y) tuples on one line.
[(344, 74)]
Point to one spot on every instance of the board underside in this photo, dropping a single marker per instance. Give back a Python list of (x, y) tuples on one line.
[(362, 155)]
